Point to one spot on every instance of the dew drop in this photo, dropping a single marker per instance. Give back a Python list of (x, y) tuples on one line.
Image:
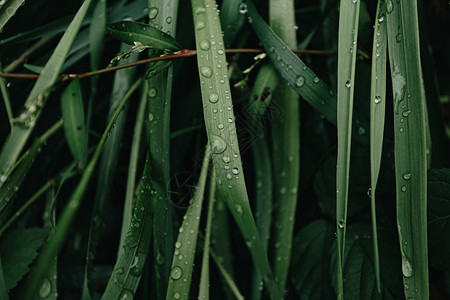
[(205, 45), (176, 295), (218, 144), (176, 273), (377, 99), (369, 192), (169, 20), (389, 6), (220, 51), (348, 83), (178, 245), (381, 18), (238, 208), (152, 92), (206, 72), (407, 176), (354, 1), (151, 117), (126, 295), (403, 188), (399, 37), (229, 177), (3, 178), (243, 9), (235, 171), (406, 113), (300, 81), (220, 126), (407, 268), (200, 25), (401, 129), (341, 223), (152, 13), (361, 131), (213, 98), (316, 79), (226, 159), (46, 288)]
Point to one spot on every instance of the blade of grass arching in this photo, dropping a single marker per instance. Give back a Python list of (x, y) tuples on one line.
[(12, 186), (158, 132), (184, 254), (204, 277), (221, 131), (232, 18), (8, 10), (260, 97), (97, 30), (38, 95), (286, 147), (133, 165), (377, 115), (347, 46), (299, 76), (123, 79), (227, 277), (75, 130), (69, 212), (410, 145)]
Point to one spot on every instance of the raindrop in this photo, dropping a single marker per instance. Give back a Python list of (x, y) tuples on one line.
[(46, 289), (403, 188), (205, 45), (354, 1), (213, 98), (169, 20), (243, 9), (348, 83), (200, 25), (235, 171), (369, 192), (389, 6), (316, 79), (300, 81), (406, 113), (126, 295), (220, 51), (176, 273), (229, 177), (152, 92), (399, 37), (220, 126), (153, 12), (377, 99), (3, 178), (295, 27), (238, 208), (226, 159), (401, 129), (151, 117), (176, 295), (361, 131), (341, 223), (177, 245), (407, 268), (218, 144), (206, 72), (230, 120), (235, 155), (407, 176), (381, 18)]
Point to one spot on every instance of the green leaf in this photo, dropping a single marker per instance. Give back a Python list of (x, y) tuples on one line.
[(18, 249), (300, 77), (439, 217), (157, 67), (130, 32), (221, 131), (39, 94), (310, 267), (3, 290), (8, 10), (410, 132), (232, 18), (74, 127)]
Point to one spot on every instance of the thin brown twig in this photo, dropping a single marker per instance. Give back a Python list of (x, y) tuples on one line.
[(179, 54)]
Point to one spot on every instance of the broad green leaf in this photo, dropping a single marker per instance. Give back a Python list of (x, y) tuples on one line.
[(38, 96), (18, 249), (410, 132), (377, 114), (439, 217), (184, 254), (285, 147), (8, 10), (300, 77), (347, 46), (310, 267), (130, 32), (221, 131), (50, 250), (74, 126)]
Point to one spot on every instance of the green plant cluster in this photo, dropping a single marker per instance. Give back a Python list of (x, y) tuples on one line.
[(171, 149)]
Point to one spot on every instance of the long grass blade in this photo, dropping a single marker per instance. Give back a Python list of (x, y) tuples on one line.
[(158, 132), (184, 254), (348, 35), (300, 77), (221, 130), (286, 147), (51, 249), (8, 10), (3, 290), (377, 115), (38, 95), (232, 17), (410, 144)]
